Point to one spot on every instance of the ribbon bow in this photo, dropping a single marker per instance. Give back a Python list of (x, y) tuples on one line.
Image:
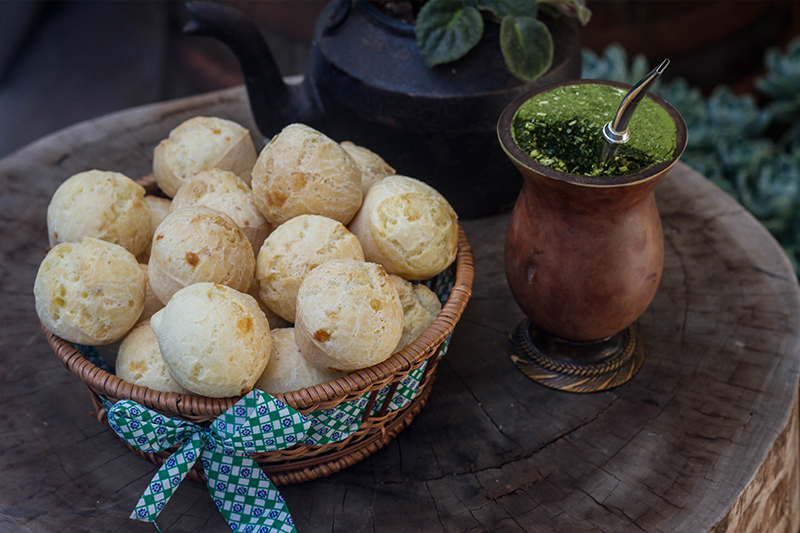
[(241, 490)]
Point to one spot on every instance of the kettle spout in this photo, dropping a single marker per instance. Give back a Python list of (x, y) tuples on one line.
[(273, 103)]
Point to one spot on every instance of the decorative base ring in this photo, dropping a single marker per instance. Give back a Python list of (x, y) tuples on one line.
[(576, 366)]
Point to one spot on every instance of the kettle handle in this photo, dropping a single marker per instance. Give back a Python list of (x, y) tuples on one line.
[(273, 103)]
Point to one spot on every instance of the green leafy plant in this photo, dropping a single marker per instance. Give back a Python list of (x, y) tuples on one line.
[(448, 29), (730, 139)]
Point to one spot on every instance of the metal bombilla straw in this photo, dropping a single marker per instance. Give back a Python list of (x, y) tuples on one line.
[(616, 132)]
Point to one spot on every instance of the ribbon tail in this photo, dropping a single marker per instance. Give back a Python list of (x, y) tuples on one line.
[(244, 494), (167, 479)]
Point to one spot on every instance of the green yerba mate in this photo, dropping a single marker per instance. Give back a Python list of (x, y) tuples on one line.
[(562, 129)]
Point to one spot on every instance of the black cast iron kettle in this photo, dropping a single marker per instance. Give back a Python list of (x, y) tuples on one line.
[(366, 82)]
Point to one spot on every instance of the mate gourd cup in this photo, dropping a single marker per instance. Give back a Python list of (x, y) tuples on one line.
[(583, 259)]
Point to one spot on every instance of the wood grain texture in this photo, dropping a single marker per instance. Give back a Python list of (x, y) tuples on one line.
[(766, 503), (704, 438)]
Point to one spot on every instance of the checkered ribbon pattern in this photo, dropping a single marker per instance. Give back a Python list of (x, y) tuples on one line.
[(257, 423), (240, 489)]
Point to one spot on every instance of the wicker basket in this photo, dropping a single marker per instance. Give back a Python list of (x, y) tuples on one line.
[(303, 462)]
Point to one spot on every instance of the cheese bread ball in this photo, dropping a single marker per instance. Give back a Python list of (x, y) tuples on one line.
[(274, 320), (215, 341), (293, 250), (421, 306), (90, 293), (197, 244), (159, 209), (201, 143), (103, 205), (349, 316), (151, 301), (408, 227), (287, 369), (303, 172), (372, 166), (139, 361), (225, 192)]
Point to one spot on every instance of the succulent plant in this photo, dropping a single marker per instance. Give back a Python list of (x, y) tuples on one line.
[(613, 65), (768, 186), (782, 81), (790, 140), (735, 155), (733, 117)]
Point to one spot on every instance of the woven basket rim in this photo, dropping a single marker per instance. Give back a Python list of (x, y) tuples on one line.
[(304, 400)]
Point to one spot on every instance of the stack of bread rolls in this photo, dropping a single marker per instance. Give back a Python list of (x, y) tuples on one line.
[(279, 270)]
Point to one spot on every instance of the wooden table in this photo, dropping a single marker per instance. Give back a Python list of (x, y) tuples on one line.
[(705, 438)]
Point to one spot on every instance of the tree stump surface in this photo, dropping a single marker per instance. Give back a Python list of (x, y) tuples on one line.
[(704, 438)]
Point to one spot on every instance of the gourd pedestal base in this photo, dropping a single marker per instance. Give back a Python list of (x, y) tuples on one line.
[(576, 366)]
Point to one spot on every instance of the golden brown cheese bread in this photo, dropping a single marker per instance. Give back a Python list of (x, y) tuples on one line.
[(303, 172), (287, 369), (293, 250), (159, 209), (408, 227), (275, 321), (225, 192), (421, 306), (102, 205), (215, 341), (197, 244), (200, 143), (372, 166), (152, 304), (139, 361), (90, 292), (349, 316)]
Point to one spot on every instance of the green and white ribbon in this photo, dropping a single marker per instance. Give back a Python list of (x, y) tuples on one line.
[(241, 490), (338, 423)]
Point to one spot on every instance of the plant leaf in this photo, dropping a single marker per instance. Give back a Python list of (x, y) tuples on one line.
[(571, 8), (527, 47), (782, 81), (446, 30), (510, 8)]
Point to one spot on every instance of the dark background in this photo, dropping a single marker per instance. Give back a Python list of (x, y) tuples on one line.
[(65, 62)]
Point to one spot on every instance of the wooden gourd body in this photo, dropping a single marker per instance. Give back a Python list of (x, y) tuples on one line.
[(584, 262)]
